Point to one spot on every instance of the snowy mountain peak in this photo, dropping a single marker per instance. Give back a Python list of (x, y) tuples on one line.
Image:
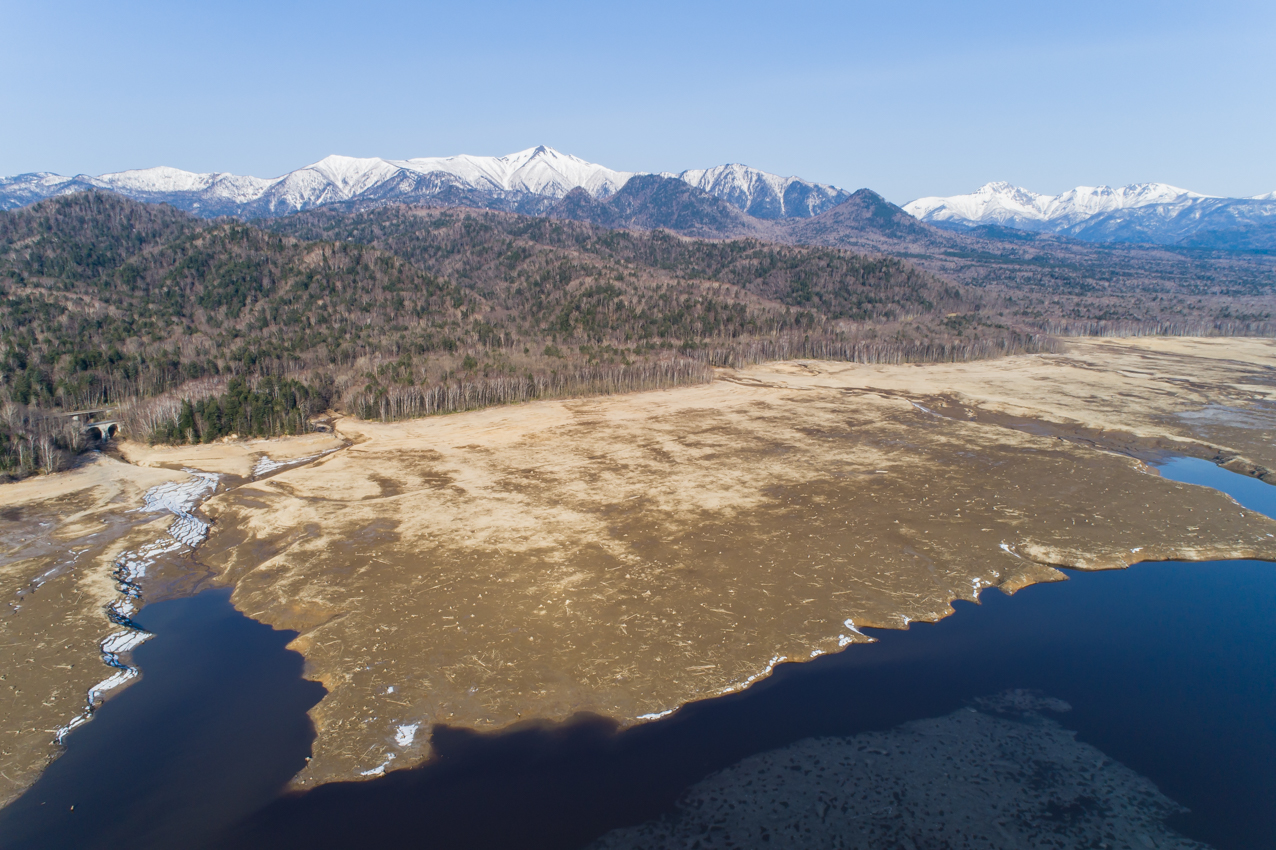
[(1006, 204), (761, 194), (1155, 213), (518, 160), (159, 179), (529, 180)]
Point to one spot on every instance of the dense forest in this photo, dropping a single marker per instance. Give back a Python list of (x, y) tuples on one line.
[(196, 330)]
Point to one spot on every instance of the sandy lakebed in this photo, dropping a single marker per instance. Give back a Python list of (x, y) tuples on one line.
[(624, 555)]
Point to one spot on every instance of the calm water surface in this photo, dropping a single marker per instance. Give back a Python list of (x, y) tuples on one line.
[(1170, 669), (213, 729)]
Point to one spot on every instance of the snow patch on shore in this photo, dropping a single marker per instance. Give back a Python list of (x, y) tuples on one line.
[(379, 770), (404, 735), (185, 532), (265, 465), (656, 715)]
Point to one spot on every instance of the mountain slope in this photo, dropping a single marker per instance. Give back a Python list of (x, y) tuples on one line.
[(763, 195), (985, 256), (539, 172), (1219, 223), (538, 180), (396, 311), (650, 201)]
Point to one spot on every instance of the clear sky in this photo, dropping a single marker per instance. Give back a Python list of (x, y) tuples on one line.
[(908, 97)]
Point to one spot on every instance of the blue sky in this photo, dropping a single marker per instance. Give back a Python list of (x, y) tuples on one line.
[(908, 98)]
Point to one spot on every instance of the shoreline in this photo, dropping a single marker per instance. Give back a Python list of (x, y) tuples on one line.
[(183, 535), (563, 501)]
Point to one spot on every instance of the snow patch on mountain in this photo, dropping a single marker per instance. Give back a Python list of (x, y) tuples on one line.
[(540, 171)]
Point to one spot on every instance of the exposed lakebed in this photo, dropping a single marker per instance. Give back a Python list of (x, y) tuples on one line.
[(1168, 669), (469, 588)]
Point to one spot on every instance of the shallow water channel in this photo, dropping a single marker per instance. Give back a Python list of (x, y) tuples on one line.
[(1169, 669)]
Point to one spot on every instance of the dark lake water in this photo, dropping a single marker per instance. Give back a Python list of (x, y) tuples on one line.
[(1170, 669), (213, 729)]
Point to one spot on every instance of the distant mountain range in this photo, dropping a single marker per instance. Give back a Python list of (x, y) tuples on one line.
[(529, 181), (728, 200), (1152, 213)]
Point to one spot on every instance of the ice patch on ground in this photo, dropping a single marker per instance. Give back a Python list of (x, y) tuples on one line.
[(379, 770), (656, 715), (404, 735), (265, 465), (185, 532), (739, 686), (847, 640)]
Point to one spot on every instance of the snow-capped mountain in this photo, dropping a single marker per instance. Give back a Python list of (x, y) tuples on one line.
[(763, 195), (1011, 206), (1154, 213), (527, 181), (539, 172)]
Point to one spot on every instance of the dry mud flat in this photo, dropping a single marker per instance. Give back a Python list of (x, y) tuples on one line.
[(1005, 775), (626, 555)]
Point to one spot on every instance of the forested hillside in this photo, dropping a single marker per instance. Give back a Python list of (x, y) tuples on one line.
[(196, 330)]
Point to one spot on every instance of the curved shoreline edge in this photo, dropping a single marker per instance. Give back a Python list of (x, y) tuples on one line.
[(185, 533)]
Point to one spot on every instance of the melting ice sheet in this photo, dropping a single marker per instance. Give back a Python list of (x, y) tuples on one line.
[(185, 532)]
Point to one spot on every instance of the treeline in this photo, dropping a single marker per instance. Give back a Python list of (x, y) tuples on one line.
[(273, 406), (406, 402), (874, 352)]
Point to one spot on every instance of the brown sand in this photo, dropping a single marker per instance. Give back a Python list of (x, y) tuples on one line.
[(228, 457)]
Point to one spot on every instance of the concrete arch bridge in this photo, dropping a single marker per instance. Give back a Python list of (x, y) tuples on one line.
[(95, 423)]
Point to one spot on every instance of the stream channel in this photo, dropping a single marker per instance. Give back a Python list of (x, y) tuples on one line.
[(1169, 669)]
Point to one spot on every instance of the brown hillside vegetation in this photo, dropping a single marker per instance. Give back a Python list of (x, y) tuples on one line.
[(203, 329)]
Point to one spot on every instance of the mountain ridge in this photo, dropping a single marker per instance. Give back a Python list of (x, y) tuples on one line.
[(1150, 213), (539, 181), (529, 181)]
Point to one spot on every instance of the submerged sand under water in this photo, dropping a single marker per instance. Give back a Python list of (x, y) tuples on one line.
[(628, 554), (1003, 773)]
